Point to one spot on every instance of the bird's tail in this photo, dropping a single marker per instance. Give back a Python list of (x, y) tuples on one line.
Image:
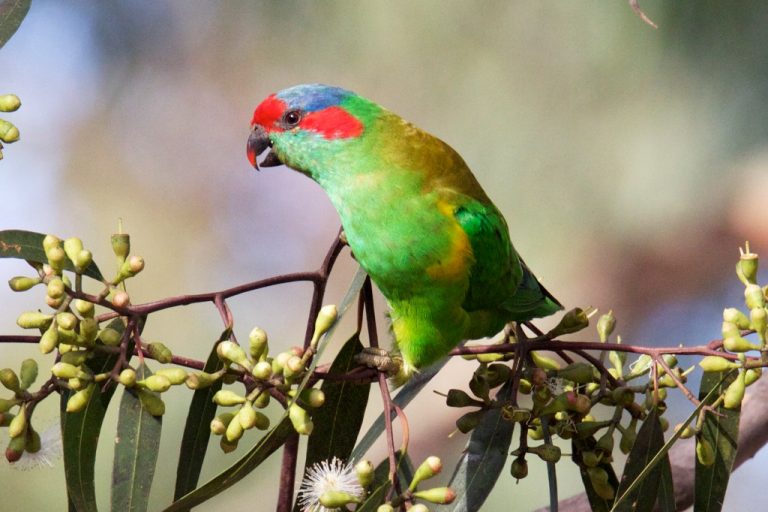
[(531, 300)]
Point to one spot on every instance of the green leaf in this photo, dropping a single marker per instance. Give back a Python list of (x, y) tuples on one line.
[(666, 500), (268, 444), (28, 245), (484, 458), (650, 440), (80, 434), (12, 13), (338, 421), (136, 449), (412, 388), (197, 430), (723, 433)]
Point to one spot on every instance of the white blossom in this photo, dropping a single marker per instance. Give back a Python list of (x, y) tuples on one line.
[(327, 476)]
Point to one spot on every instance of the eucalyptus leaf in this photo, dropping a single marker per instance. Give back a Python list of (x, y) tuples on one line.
[(12, 13), (28, 245), (136, 448), (649, 441)]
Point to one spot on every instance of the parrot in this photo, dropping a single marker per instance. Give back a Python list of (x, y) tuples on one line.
[(413, 214)]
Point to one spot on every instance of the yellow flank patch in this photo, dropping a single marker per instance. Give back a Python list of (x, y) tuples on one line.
[(455, 263)]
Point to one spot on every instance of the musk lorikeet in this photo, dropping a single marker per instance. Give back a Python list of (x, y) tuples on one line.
[(413, 213)]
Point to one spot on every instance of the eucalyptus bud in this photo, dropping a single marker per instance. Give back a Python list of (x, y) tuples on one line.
[(687, 431), (219, 423), (121, 299), (386, 507), (598, 477), (84, 308), (572, 321), (110, 337), (746, 268), (716, 364), (28, 373), (262, 400), (365, 473), (758, 320), (628, 437), (72, 247), (325, 320), (605, 326), (578, 372), (313, 397), (66, 321), (230, 351), (79, 400), (739, 344), (22, 283), (160, 353), (49, 340), (127, 377), (262, 370), (430, 467), (15, 448), (174, 375), (227, 398), (8, 132), (10, 380), (200, 380), (546, 452), (734, 394), (259, 345), (129, 268), (459, 398), (34, 320), (704, 452), (544, 362), (234, 429), (605, 443), (121, 246), (753, 296), (300, 419), (439, 495), (736, 317), (618, 360), (751, 375), (333, 500), (519, 468), (151, 402), (18, 426), (470, 420), (63, 370), (9, 103)]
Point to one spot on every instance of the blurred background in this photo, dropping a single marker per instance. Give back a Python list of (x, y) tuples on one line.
[(630, 164)]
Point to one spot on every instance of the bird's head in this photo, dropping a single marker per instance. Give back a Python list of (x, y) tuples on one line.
[(305, 124)]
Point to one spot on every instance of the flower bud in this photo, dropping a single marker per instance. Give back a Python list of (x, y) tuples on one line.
[(129, 268), (22, 283), (313, 397), (332, 499), (734, 394), (704, 452), (716, 364), (753, 296), (66, 371), (262, 400), (258, 344), (151, 402), (82, 260), (578, 372), (299, 417), (34, 320), (9, 103), (585, 429), (6, 404), (278, 363), (736, 317), (430, 467), (738, 344), (175, 375), (121, 246), (127, 377), (365, 473), (28, 373), (618, 360), (200, 380), (386, 507), (72, 248), (56, 259), (110, 337), (544, 362), (325, 320), (758, 320), (89, 331), (519, 468), (10, 380), (262, 370), (50, 339), (121, 299), (418, 507), (751, 375), (79, 400), (227, 398), (572, 321), (687, 431), (546, 452), (234, 429), (469, 421), (598, 477), (746, 268), (439, 495), (231, 352), (605, 326), (8, 132), (18, 424), (160, 353), (246, 416), (156, 383), (66, 321), (15, 448), (219, 423), (84, 308), (459, 398), (628, 437)]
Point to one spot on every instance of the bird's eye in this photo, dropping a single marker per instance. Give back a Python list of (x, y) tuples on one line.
[(292, 117)]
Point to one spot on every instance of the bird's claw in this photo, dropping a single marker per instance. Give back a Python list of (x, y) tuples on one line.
[(380, 359)]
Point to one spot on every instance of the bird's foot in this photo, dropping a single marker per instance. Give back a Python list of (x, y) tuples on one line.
[(374, 357)]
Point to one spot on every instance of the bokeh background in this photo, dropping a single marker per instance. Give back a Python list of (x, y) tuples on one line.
[(630, 164)]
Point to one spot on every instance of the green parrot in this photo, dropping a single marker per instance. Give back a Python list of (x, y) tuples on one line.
[(414, 215)]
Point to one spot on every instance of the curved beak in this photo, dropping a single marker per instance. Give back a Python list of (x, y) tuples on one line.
[(258, 141)]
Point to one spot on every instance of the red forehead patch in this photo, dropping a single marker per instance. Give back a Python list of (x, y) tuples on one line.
[(268, 112), (332, 123)]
